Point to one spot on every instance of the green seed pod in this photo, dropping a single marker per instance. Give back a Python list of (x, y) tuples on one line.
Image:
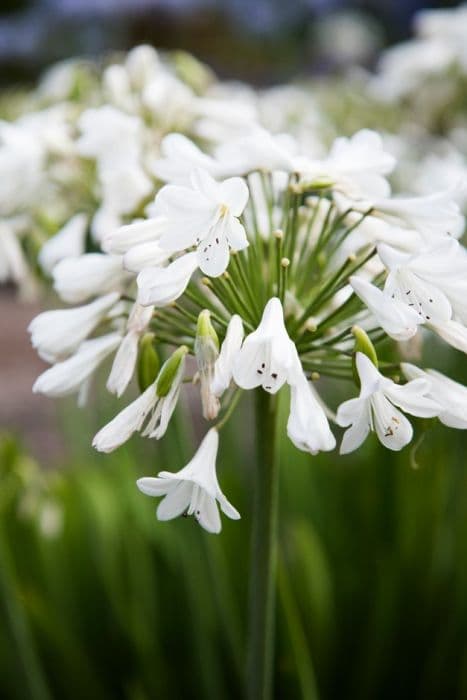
[(148, 361), (169, 371)]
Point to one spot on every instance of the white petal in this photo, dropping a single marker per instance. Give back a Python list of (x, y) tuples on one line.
[(412, 398), (307, 426), (360, 424), (392, 427), (176, 502), (160, 286), (234, 193), (126, 237), (125, 423), (230, 348), (154, 486), (67, 243), (124, 364)]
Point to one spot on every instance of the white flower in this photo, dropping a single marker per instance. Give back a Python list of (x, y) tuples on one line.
[(308, 427), (154, 408), (13, 263), (137, 233), (193, 490), (433, 215), (452, 332), (375, 408), (429, 281), (110, 136), (355, 165), (67, 377), (160, 286), (124, 362), (67, 243), (56, 334), (138, 242), (179, 157), (205, 214), (258, 150), (398, 320), (91, 274), (450, 395), (223, 367), (267, 355)]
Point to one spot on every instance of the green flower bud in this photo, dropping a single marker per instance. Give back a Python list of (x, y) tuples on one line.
[(362, 344), (169, 371), (205, 333), (148, 361)]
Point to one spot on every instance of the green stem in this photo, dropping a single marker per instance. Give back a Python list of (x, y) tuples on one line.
[(263, 553)]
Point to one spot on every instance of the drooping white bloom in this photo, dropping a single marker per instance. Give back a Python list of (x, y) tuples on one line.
[(193, 490), (267, 356), (205, 214), (307, 426), (223, 367), (375, 408), (398, 320), (451, 396), (67, 243), (159, 286), (91, 274), (150, 413), (56, 334), (67, 377), (124, 363)]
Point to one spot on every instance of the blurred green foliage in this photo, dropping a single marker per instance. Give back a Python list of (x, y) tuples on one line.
[(100, 600)]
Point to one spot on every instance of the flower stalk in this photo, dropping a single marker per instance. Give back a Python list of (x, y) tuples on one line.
[(263, 552)]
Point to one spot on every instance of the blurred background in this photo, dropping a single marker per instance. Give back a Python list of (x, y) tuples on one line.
[(98, 599)]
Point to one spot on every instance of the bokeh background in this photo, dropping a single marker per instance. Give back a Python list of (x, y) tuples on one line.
[(97, 599)]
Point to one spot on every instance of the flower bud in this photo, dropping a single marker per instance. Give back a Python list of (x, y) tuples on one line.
[(207, 352), (148, 361), (169, 371), (364, 345)]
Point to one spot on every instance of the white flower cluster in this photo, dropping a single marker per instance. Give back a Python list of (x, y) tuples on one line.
[(210, 226), (296, 289)]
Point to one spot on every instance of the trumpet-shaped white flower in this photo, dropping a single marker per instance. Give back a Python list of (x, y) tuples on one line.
[(160, 286), (432, 282), (451, 396), (56, 334), (91, 274), (109, 136), (205, 214), (150, 413), (124, 362), (308, 427), (398, 320), (193, 490), (69, 376), (67, 243), (267, 356), (223, 367), (375, 408)]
